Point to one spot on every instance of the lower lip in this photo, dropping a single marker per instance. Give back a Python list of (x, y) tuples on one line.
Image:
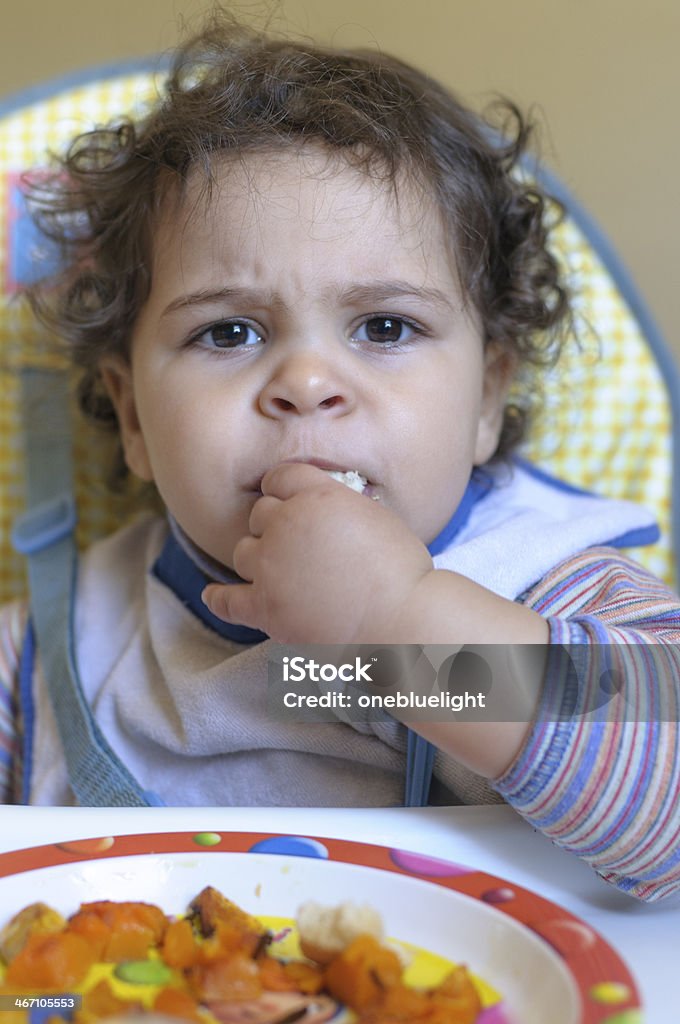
[(369, 491)]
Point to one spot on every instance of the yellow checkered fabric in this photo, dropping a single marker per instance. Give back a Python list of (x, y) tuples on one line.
[(605, 424), (605, 421), (26, 138)]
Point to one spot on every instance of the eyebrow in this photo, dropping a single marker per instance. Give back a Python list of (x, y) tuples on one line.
[(206, 296), (379, 291), (358, 294)]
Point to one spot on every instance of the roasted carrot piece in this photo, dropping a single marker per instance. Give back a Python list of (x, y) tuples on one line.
[(179, 948), (360, 974), (176, 1002), (227, 940), (93, 929), (37, 917), (457, 998), (52, 962), (307, 978), (211, 907), (273, 976), (133, 928), (236, 978), (113, 913), (101, 1001), (227, 928), (401, 1003)]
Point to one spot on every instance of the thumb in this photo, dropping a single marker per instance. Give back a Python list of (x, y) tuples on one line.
[(230, 602)]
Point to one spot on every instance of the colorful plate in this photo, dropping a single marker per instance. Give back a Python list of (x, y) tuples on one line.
[(546, 964)]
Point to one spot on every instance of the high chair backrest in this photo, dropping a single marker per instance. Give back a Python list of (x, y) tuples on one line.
[(606, 422)]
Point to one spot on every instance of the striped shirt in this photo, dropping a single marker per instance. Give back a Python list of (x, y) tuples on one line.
[(607, 786)]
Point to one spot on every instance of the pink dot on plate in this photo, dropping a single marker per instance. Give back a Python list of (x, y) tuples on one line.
[(431, 867), (493, 1015), (501, 895)]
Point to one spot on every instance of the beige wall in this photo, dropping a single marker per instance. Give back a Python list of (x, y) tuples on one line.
[(604, 74)]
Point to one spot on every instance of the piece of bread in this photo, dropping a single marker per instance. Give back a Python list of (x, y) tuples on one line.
[(326, 931), (352, 479)]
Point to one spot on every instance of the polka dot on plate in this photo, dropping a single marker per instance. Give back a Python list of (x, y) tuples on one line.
[(292, 846), (566, 937), (610, 992), (501, 895), (625, 1017), (207, 838), (431, 867), (493, 1015), (87, 846)]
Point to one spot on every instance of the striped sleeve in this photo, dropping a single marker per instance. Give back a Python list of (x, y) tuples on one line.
[(599, 772), (12, 627)]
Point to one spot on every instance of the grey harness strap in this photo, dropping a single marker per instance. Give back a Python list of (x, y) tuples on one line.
[(45, 534)]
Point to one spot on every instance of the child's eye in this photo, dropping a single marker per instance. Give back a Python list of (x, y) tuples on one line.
[(386, 330), (229, 334)]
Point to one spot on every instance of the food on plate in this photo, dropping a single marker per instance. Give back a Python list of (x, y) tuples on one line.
[(217, 964), (35, 919), (326, 931)]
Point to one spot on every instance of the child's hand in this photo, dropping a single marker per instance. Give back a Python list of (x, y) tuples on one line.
[(323, 564)]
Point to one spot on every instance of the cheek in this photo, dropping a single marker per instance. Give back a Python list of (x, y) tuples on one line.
[(445, 420), (173, 418), (435, 459)]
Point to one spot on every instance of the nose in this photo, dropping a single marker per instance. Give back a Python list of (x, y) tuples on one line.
[(306, 384)]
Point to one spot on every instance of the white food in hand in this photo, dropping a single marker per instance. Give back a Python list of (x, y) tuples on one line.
[(352, 479)]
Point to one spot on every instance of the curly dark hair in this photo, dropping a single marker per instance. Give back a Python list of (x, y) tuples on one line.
[(231, 88)]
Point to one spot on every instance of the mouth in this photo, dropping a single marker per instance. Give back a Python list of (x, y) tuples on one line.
[(352, 477)]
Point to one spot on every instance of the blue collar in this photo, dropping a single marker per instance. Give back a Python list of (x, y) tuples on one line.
[(479, 485), (175, 568)]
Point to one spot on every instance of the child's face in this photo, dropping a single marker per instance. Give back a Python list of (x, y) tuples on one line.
[(302, 314)]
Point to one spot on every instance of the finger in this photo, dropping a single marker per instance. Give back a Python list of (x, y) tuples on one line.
[(245, 558), (231, 602), (262, 513), (288, 478)]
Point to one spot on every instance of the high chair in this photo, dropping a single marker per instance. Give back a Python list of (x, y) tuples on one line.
[(606, 422)]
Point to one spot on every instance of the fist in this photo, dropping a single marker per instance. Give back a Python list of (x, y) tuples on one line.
[(321, 563)]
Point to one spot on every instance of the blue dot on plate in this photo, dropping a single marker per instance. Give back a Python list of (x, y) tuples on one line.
[(291, 846)]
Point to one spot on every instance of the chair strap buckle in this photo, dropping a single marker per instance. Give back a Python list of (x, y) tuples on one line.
[(44, 525)]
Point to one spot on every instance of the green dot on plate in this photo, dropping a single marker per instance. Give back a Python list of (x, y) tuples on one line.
[(143, 972), (207, 838), (631, 1016)]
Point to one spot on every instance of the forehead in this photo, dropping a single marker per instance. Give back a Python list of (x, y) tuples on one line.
[(306, 197)]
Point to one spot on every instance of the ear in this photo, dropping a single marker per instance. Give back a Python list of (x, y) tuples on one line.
[(499, 370), (116, 374)]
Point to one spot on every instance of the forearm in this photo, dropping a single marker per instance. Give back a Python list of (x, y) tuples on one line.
[(447, 608), (451, 610), (600, 778)]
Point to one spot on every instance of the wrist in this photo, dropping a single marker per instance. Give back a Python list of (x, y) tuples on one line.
[(444, 607)]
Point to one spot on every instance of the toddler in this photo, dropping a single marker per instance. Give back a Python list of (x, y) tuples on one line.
[(308, 262)]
